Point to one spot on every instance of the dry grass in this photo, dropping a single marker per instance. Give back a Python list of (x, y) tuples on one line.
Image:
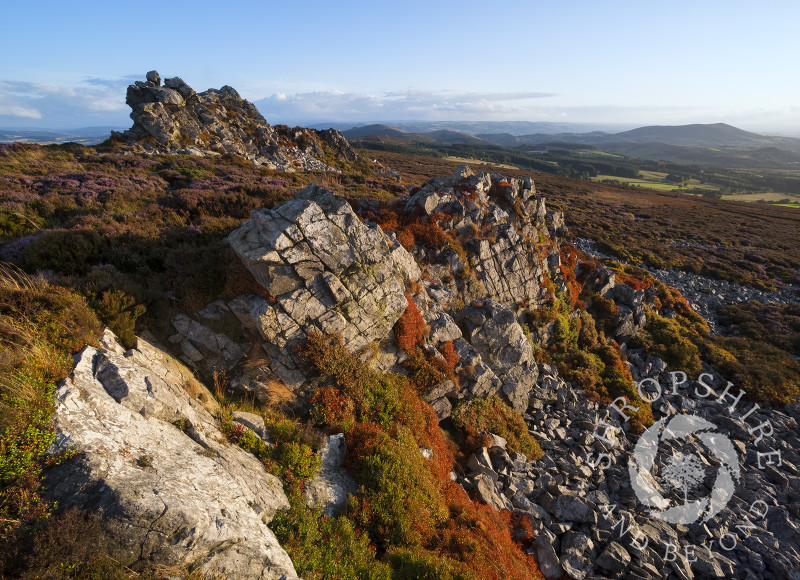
[(201, 394), (12, 278), (274, 393)]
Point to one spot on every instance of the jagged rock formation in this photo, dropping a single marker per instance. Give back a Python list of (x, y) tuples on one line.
[(496, 335), (507, 266), (175, 118), (322, 269), (152, 461)]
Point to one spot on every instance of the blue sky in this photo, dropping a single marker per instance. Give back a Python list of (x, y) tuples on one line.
[(66, 64)]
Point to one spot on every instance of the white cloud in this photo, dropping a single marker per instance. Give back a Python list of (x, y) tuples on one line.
[(93, 101), (417, 104), (16, 111)]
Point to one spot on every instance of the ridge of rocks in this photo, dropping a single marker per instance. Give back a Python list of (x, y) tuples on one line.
[(174, 118)]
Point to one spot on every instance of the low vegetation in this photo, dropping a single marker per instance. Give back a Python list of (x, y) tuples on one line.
[(480, 417), (420, 523)]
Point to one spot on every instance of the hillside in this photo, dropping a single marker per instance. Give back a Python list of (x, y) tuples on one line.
[(399, 369), (696, 135), (370, 130), (718, 145)]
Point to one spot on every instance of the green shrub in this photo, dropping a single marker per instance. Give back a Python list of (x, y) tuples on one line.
[(66, 251), (323, 547), (119, 312), (492, 415), (399, 500), (291, 458), (669, 340)]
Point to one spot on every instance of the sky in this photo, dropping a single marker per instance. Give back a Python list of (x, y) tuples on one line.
[(66, 64)]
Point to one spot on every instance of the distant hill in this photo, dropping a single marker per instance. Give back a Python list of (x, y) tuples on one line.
[(83, 135), (448, 137), (370, 130), (717, 144), (509, 140), (696, 135), (442, 136)]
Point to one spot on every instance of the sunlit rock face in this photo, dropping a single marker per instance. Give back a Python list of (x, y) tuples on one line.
[(174, 118)]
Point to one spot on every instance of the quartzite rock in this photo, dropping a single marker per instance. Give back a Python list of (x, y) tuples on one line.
[(326, 269), (152, 461), (508, 267), (499, 339), (332, 485)]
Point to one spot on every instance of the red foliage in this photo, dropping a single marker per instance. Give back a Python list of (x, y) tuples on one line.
[(468, 192), (409, 328), (423, 422), (405, 238), (569, 260), (481, 538), (522, 525), (428, 234), (474, 536), (633, 282), (331, 407), (451, 359), (388, 218), (362, 441), (439, 216)]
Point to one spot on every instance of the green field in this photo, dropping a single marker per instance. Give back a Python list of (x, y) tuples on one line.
[(654, 180), (772, 196), (598, 153), (766, 196)]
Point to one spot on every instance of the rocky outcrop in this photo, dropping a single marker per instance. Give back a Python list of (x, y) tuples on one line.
[(152, 461), (496, 335), (508, 268), (323, 269), (174, 118), (503, 258)]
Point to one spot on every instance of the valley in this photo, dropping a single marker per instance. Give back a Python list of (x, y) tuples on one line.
[(711, 160)]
